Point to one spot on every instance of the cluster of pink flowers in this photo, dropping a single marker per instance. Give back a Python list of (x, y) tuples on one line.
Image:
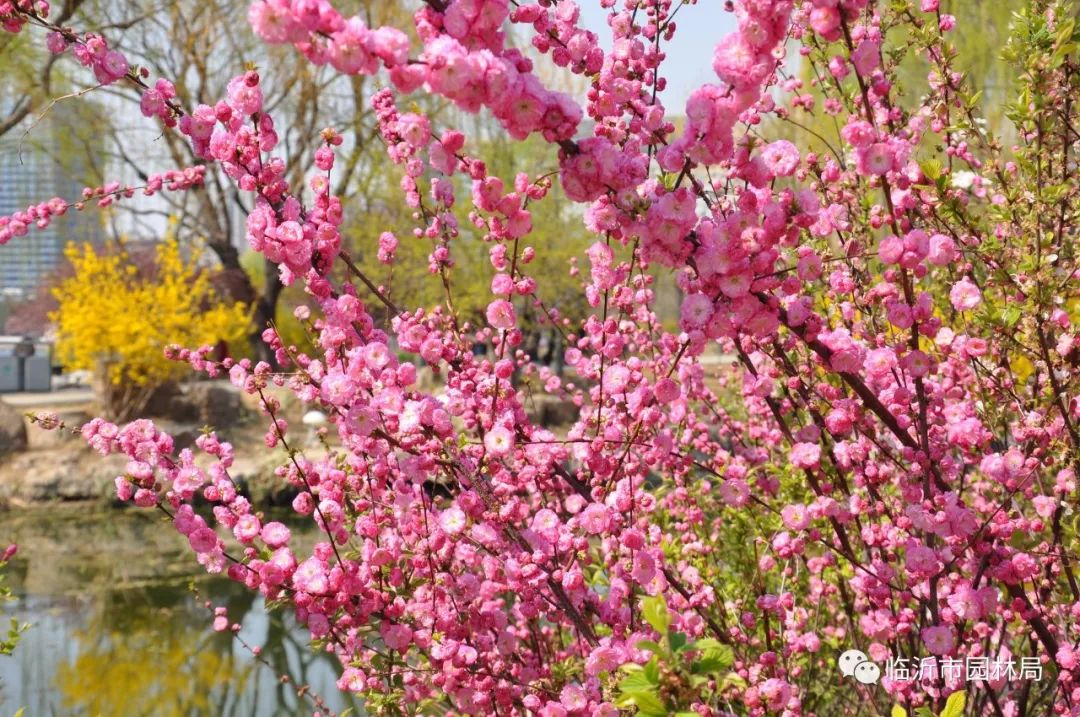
[(238, 136), (91, 50), (16, 13), (326, 36), (556, 31), (464, 58), (157, 101), (890, 483), (744, 61), (42, 215), (595, 166)]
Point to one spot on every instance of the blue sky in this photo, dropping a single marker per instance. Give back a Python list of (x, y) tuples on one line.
[(689, 55)]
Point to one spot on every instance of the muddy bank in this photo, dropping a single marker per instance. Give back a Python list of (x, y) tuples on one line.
[(73, 472), (56, 466), (40, 466)]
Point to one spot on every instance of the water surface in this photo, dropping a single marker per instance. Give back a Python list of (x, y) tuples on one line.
[(120, 626)]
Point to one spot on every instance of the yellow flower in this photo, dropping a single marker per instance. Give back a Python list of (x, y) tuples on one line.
[(109, 313)]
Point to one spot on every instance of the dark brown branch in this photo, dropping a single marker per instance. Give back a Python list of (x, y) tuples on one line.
[(368, 283)]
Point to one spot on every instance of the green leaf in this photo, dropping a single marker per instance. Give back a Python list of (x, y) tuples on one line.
[(636, 682), (677, 640), (733, 679), (650, 645), (715, 656), (714, 660), (954, 706), (649, 703), (923, 712), (707, 643), (652, 670), (931, 168), (898, 711), (655, 612)]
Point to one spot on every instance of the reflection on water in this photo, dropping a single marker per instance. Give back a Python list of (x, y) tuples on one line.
[(116, 628)]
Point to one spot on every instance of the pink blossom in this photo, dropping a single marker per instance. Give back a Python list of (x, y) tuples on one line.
[(964, 295), (866, 57), (396, 637), (739, 64), (573, 697), (602, 659), (939, 639), (781, 157), (247, 528), (244, 93), (971, 604), (922, 561), (1067, 657), (876, 158), (203, 540), (858, 133), (735, 492), (775, 692), (805, 455), (644, 567), (499, 441), (666, 390), (275, 534), (56, 43), (311, 577), (879, 363), (594, 519), (696, 310), (500, 314), (616, 379), (1045, 506), (795, 516), (825, 21), (942, 250), (891, 249)]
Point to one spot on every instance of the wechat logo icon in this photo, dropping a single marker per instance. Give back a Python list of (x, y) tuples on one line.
[(855, 663)]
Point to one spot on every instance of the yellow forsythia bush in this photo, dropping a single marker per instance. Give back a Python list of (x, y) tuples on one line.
[(110, 315)]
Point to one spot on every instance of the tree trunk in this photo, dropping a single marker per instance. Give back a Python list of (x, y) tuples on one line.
[(240, 288), (264, 314)]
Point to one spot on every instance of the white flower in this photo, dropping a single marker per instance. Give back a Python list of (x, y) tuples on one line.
[(963, 179)]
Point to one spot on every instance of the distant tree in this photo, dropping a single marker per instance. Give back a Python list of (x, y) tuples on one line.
[(195, 43), (557, 234), (981, 30), (28, 73)]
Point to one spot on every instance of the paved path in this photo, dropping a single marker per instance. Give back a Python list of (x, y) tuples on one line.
[(49, 399)]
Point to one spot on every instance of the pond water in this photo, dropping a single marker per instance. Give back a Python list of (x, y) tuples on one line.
[(119, 626)]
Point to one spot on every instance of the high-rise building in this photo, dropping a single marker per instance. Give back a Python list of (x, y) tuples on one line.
[(34, 168)]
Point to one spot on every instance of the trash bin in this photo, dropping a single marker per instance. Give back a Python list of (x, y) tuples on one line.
[(24, 365), (9, 374), (37, 374)]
